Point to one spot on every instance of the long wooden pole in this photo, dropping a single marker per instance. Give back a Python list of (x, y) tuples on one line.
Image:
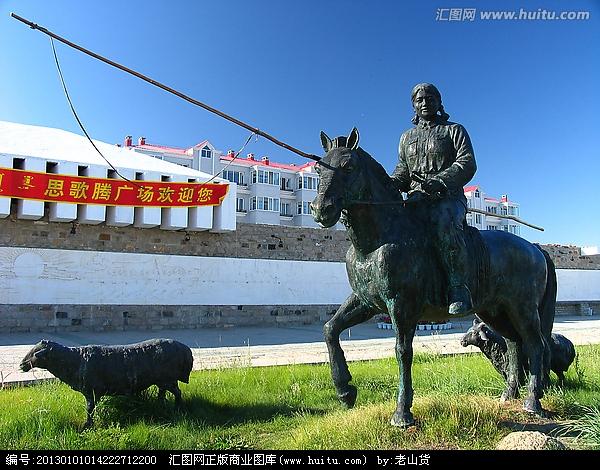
[(166, 88), (501, 216)]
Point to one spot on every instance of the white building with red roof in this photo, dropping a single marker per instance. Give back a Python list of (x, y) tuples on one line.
[(477, 199), (268, 192)]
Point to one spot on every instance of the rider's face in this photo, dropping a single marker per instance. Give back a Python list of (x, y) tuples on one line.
[(426, 105)]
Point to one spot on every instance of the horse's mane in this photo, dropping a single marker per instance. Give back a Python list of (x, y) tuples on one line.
[(378, 173)]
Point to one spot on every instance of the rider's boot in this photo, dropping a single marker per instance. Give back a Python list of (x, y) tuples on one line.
[(455, 261)]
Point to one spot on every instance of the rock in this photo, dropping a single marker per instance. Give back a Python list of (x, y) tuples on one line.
[(529, 440)]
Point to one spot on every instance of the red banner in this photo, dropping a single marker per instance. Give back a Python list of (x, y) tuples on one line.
[(108, 192)]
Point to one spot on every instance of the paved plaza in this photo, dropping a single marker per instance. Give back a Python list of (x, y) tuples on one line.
[(269, 346)]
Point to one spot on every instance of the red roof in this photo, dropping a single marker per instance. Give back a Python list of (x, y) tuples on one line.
[(272, 164), (491, 199), (162, 148), (468, 189), (201, 144), (244, 161)]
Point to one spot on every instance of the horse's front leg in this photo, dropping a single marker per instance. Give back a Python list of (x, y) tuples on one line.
[(403, 417), (350, 313)]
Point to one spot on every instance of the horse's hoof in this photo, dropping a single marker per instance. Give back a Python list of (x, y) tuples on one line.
[(402, 420), (348, 398), (533, 405)]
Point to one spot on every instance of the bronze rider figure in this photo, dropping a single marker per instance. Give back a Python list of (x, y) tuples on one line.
[(436, 160)]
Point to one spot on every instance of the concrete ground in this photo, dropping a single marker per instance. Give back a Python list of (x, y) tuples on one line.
[(268, 345)]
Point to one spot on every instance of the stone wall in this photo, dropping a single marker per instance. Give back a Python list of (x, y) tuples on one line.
[(577, 308), (55, 318), (570, 257), (248, 241)]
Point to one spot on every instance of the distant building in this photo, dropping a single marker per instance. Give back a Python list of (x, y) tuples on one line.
[(477, 199), (267, 192), (280, 194)]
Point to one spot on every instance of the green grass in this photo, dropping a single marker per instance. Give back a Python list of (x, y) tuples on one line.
[(587, 427), (295, 407)]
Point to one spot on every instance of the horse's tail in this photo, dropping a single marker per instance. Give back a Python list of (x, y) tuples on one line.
[(548, 304)]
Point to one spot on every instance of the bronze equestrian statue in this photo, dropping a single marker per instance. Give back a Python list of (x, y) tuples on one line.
[(393, 269)]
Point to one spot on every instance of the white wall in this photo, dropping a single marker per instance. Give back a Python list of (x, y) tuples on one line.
[(578, 284), (45, 276)]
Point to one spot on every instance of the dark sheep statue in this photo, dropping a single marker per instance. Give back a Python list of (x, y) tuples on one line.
[(127, 369), (493, 346), (563, 355)]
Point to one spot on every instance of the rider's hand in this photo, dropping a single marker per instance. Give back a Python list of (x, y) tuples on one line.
[(434, 187)]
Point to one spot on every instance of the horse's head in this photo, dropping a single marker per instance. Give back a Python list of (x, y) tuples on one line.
[(340, 178)]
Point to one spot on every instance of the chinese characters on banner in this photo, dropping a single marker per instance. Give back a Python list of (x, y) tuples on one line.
[(109, 192)]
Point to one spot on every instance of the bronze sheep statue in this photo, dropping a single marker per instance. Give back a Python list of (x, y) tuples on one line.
[(493, 346), (96, 370)]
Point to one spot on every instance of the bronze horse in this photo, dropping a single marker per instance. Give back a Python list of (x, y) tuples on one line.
[(393, 270)]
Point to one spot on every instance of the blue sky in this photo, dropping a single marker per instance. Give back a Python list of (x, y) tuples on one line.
[(526, 90)]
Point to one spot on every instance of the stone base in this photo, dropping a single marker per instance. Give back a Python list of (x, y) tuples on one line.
[(585, 309), (59, 318)]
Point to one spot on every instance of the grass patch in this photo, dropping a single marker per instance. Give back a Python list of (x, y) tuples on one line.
[(295, 407)]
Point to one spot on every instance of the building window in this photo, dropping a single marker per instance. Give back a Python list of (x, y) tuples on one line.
[(275, 205), (234, 176), (265, 177), (240, 206), (308, 182), (304, 208), (286, 184), (286, 209), (264, 204), (477, 193), (206, 152), (503, 210), (478, 218)]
